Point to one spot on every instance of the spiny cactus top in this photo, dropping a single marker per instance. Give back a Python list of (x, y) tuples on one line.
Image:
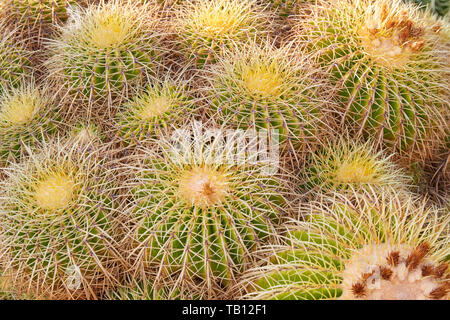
[(198, 214), (107, 48), (261, 87), (207, 28), (388, 250), (27, 115), (153, 111), (344, 165), (388, 65), (14, 59), (57, 217)]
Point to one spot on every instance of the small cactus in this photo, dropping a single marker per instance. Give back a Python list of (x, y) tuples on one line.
[(344, 165), (107, 49), (199, 217), (57, 215), (262, 87), (28, 114), (153, 111), (207, 28), (389, 250), (388, 65)]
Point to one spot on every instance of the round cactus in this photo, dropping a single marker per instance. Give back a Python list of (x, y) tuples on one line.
[(107, 49), (27, 115), (261, 87), (207, 28), (58, 223), (343, 165), (369, 251), (197, 216), (151, 112), (14, 60), (385, 60)]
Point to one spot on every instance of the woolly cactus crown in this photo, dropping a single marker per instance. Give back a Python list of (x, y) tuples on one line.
[(387, 250)]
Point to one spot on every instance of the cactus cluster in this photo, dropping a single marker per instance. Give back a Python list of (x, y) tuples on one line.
[(199, 217), (385, 61), (263, 87), (224, 149)]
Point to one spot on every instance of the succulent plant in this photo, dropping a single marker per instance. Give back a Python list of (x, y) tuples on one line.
[(57, 213), (262, 87), (107, 49), (154, 110), (386, 61), (28, 114), (343, 165), (208, 28), (199, 209), (14, 59), (388, 250)]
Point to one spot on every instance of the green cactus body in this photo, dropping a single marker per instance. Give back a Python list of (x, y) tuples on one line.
[(14, 61), (153, 111), (27, 115), (32, 13), (387, 67), (201, 216), (208, 28), (266, 88), (363, 251), (57, 215), (441, 7), (107, 49), (345, 166)]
